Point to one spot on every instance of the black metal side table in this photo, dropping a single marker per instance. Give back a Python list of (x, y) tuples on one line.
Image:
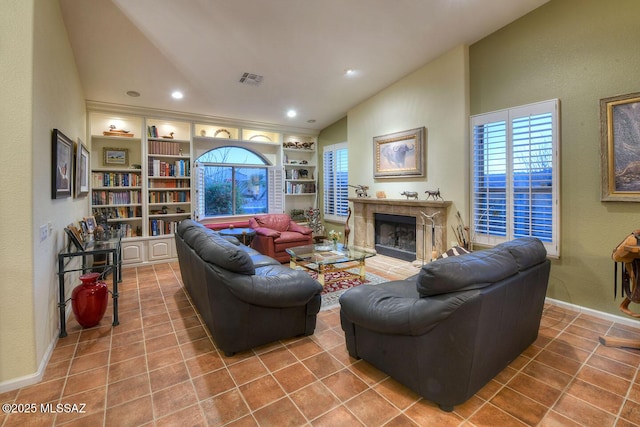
[(245, 235), (111, 249)]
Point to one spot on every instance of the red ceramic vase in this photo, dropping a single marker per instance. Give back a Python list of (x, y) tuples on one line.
[(89, 300)]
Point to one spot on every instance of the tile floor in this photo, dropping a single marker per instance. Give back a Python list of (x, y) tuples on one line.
[(159, 367)]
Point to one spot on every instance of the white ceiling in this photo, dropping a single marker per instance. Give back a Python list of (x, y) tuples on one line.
[(301, 47)]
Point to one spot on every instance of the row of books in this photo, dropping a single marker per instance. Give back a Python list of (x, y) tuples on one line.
[(161, 168), (116, 197), (169, 183), (160, 227), (123, 212), (168, 148), (116, 179), (127, 230), (169, 196), (300, 188)]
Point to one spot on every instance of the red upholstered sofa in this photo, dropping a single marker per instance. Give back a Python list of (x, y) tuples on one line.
[(277, 232)]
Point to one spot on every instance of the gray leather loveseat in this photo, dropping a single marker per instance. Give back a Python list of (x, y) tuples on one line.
[(246, 299), (448, 330)]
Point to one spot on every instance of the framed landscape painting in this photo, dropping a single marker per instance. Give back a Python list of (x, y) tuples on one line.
[(620, 148)]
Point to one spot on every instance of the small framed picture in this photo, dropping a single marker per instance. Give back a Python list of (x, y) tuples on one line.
[(115, 156), (90, 221), (82, 170), (74, 237)]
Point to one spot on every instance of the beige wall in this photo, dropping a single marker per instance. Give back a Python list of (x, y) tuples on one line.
[(578, 51), (435, 96), (41, 91)]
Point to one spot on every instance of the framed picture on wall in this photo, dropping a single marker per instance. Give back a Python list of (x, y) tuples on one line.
[(61, 165), (400, 154), (81, 170), (115, 156), (620, 148)]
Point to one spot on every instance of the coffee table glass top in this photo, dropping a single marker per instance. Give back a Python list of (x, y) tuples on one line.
[(327, 254)]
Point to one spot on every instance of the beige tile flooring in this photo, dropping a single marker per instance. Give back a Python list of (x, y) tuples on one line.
[(159, 367)]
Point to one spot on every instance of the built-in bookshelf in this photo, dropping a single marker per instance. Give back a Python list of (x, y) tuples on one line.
[(300, 174), (116, 173), (169, 175)]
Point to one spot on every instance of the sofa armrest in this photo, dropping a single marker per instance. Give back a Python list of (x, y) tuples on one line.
[(294, 226), (382, 309), (276, 286), (268, 232)]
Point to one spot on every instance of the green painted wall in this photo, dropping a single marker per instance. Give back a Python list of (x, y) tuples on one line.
[(578, 51)]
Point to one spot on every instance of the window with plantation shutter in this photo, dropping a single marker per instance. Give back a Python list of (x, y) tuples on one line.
[(336, 181), (515, 170)]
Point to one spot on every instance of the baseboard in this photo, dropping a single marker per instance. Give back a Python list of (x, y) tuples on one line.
[(599, 314), (30, 379), (37, 376)]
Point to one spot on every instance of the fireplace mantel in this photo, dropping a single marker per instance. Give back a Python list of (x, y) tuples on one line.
[(364, 209)]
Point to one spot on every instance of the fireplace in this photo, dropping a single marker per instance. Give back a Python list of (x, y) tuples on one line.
[(395, 236), (364, 232)]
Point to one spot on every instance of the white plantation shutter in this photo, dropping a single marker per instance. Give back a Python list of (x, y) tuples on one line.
[(336, 180), (198, 200), (276, 190), (515, 169)]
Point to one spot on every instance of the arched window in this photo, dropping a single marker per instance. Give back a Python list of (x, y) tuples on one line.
[(232, 181)]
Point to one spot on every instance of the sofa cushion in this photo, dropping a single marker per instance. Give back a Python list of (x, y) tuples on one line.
[(290, 236), (278, 222), (214, 249), (527, 251), (465, 272)]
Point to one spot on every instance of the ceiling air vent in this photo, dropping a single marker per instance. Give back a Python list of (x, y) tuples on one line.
[(251, 79)]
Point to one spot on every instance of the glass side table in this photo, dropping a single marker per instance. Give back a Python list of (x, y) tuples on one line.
[(111, 250)]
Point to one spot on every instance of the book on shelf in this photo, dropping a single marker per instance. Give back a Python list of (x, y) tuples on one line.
[(116, 179), (160, 227), (300, 188), (169, 183), (165, 148), (169, 196), (179, 168)]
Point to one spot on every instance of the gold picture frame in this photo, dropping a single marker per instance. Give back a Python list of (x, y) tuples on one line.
[(400, 154), (620, 148)]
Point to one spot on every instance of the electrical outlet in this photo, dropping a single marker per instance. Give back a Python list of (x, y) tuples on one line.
[(44, 232)]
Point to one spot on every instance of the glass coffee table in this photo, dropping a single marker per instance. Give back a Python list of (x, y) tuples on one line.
[(328, 258)]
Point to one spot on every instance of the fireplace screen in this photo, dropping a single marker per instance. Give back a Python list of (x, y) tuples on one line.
[(395, 236)]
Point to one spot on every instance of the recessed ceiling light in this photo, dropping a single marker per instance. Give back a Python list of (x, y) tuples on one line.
[(133, 93), (177, 95), (350, 72), (291, 113)]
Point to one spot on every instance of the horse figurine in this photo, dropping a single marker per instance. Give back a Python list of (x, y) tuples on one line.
[(435, 194)]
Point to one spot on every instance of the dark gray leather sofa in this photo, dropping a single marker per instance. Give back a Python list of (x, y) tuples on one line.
[(448, 330), (245, 298)]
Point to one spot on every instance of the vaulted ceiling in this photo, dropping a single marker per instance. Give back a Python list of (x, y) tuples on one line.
[(301, 48)]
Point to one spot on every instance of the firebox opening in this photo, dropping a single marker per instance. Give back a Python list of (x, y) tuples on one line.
[(395, 236)]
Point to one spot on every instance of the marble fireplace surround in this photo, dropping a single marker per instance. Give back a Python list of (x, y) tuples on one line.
[(364, 209)]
